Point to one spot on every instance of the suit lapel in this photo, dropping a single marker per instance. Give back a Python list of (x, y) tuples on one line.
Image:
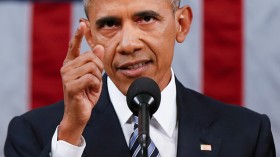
[(194, 120), (103, 134)]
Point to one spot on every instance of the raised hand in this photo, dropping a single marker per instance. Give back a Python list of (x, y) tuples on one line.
[(82, 84)]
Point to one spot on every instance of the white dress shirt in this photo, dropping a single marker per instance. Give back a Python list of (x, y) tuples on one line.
[(163, 125)]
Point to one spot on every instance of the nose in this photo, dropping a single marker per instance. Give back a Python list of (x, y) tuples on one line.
[(129, 40)]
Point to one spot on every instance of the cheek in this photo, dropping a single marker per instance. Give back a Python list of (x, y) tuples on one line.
[(164, 51), (108, 59), (99, 39), (109, 45), (163, 37), (162, 45)]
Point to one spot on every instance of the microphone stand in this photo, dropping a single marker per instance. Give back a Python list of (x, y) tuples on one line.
[(144, 121), (144, 101)]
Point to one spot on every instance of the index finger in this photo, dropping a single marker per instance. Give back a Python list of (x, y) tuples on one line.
[(75, 43)]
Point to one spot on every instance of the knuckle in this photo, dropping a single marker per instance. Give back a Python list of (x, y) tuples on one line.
[(92, 81), (89, 54), (102, 66), (83, 57), (65, 79), (65, 62), (62, 71), (77, 34), (89, 78), (68, 89), (97, 61), (92, 66), (94, 69), (86, 54)]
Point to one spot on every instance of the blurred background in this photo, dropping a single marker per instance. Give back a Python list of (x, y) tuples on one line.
[(231, 54)]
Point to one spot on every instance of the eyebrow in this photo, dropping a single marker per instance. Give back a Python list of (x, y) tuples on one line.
[(147, 13), (103, 20)]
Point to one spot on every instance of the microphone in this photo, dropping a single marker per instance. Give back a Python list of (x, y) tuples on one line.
[(143, 99)]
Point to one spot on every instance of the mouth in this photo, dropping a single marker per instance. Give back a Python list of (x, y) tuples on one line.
[(134, 69), (132, 66)]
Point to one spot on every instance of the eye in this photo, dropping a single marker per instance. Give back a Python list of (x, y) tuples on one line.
[(146, 20), (110, 24)]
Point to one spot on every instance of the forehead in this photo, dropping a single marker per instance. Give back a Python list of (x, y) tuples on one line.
[(105, 7)]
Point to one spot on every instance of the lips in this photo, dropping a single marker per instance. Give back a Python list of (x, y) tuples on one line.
[(133, 65), (134, 69)]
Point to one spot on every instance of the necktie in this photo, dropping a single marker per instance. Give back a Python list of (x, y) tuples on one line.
[(134, 144)]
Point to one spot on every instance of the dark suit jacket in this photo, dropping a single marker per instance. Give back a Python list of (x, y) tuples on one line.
[(231, 131)]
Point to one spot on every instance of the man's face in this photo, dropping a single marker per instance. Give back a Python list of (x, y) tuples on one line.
[(138, 37)]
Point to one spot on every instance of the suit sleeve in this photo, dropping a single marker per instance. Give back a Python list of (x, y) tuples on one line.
[(22, 141), (265, 146)]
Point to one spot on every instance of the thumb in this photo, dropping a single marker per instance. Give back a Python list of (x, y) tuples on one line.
[(99, 51)]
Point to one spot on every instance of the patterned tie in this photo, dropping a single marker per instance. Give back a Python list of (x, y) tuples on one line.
[(134, 144)]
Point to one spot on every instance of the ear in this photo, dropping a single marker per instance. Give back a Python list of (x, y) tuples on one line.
[(88, 34), (184, 19)]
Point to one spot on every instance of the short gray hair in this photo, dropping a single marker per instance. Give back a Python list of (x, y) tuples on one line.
[(175, 5)]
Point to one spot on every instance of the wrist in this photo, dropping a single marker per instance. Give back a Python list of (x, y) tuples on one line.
[(70, 132)]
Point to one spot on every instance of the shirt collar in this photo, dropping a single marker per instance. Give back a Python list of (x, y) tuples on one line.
[(119, 102), (165, 115)]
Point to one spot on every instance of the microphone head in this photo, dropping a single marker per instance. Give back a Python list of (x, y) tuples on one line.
[(147, 89)]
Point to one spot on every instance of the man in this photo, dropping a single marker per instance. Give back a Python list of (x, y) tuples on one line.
[(132, 39)]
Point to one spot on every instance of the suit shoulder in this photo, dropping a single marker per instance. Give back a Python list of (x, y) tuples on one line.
[(34, 127), (222, 107), (40, 118), (228, 112), (50, 112)]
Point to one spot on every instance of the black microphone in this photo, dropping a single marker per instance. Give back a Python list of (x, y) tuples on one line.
[(143, 99)]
